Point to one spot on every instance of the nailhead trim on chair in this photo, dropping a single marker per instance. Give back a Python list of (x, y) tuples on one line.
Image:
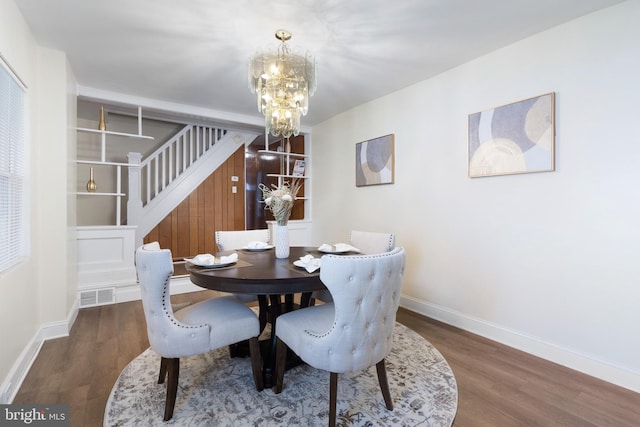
[(361, 331), (351, 278), (163, 326), (169, 314)]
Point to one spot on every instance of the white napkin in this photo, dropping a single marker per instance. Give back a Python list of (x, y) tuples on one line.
[(203, 259), (229, 258), (257, 245), (208, 259), (338, 247), (310, 263)]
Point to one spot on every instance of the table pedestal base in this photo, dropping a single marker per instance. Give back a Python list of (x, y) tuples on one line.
[(269, 311)]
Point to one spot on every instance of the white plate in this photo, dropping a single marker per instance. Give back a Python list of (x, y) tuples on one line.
[(302, 265), (210, 265), (266, 248)]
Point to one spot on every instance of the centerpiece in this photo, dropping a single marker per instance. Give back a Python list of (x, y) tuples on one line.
[(279, 200)]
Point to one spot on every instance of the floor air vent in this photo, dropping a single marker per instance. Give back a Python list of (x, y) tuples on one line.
[(97, 297)]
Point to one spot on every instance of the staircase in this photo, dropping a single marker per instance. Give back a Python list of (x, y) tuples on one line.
[(159, 183)]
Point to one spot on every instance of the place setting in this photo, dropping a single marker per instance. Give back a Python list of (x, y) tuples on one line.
[(210, 261), (311, 263), (308, 263), (257, 246), (338, 249)]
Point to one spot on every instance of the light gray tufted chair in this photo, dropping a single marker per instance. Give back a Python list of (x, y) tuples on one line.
[(238, 239), (353, 332), (369, 243), (196, 329), (372, 243)]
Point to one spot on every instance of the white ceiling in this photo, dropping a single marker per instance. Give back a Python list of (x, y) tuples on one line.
[(195, 52)]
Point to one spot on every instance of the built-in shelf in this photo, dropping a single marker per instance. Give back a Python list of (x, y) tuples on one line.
[(86, 193), (288, 160), (99, 162), (118, 194), (108, 132), (283, 153), (286, 176)]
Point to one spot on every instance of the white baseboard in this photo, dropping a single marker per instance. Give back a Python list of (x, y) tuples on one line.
[(131, 291), (529, 344), (20, 369), (532, 345)]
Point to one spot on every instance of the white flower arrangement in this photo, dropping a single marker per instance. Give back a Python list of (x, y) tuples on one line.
[(279, 200)]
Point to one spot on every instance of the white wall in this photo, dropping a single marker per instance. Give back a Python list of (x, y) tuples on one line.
[(50, 156), (546, 262), (18, 307), (37, 297)]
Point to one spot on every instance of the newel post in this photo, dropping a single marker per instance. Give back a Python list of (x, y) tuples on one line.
[(134, 201)]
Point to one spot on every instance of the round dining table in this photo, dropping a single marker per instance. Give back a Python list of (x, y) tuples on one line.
[(275, 282)]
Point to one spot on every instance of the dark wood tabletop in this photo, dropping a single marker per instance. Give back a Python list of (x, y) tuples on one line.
[(260, 273)]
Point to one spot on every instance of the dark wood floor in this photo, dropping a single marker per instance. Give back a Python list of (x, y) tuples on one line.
[(497, 385)]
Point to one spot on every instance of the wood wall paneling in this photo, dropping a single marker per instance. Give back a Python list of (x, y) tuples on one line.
[(190, 228)]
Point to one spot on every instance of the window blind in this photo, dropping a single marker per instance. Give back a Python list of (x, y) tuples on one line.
[(13, 215)]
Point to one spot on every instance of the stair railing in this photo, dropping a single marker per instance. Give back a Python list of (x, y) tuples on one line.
[(168, 162)]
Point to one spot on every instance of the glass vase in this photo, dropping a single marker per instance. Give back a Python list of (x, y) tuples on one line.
[(91, 184), (101, 124), (282, 240)]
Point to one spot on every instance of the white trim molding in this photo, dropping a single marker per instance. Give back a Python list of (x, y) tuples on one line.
[(563, 356), (131, 291), (20, 369), (23, 363), (105, 255)]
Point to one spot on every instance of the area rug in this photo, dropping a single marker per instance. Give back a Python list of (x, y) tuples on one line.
[(216, 390)]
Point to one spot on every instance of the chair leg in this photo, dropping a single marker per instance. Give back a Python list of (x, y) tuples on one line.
[(333, 394), (173, 372), (281, 361), (256, 363), (163, 370), (384, 384)]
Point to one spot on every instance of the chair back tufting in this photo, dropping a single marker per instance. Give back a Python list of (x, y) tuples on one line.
[(366, 295), (167, 336), (368, 243)]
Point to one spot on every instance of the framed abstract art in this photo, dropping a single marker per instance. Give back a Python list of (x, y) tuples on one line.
[(374, 161), (513, 139)]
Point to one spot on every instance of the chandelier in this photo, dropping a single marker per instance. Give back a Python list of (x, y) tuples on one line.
[(283, 82)]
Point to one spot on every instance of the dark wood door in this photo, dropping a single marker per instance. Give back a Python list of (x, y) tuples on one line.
[(258, 166)]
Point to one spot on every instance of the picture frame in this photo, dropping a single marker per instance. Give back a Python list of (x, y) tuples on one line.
[(298, 168), (515, 138), (375, 161)]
